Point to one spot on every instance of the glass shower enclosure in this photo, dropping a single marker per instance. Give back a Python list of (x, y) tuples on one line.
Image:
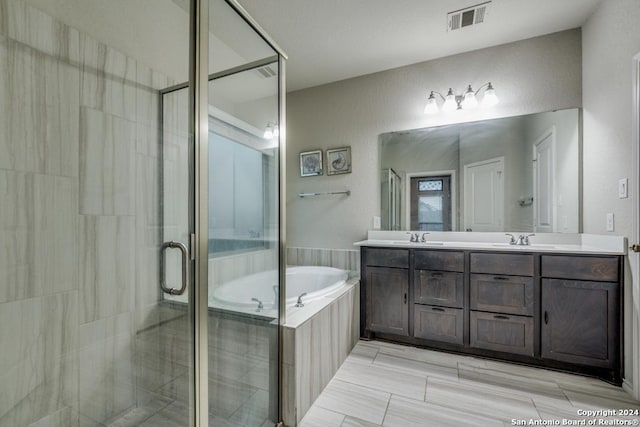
[(138, 194)]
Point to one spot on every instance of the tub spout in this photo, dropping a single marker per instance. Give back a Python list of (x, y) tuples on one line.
[(260, 306), (299, 303)]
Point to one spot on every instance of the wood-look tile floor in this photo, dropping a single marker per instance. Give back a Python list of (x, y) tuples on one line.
[(384, 384)]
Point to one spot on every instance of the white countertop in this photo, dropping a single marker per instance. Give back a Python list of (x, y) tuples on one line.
[(549, 242)]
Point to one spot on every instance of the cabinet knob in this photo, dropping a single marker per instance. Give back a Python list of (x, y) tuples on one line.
[(635, 248), (546, 318)]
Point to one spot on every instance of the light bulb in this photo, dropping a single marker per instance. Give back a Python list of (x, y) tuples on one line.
[(450, 103), (490, 99), (432, 105), (268, 133), (469, 101)]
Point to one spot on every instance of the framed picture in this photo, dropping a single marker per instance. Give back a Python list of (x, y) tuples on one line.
[(339, 161), (311, 163)]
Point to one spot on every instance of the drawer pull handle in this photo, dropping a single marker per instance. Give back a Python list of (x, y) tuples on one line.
[(436, 274), (405, 297), (500, 278), (501, 317), (546, 318), (437, 309)]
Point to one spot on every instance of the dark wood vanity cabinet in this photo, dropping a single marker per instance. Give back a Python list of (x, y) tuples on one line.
[(501, 302), (386, 275), (554, 310), (580, 310), (438, 296)]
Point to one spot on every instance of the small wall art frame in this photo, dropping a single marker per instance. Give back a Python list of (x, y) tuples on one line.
[(311, 163), (339, 161)]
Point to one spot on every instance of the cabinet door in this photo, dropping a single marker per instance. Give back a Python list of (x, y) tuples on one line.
[(387, 300), (580, 322)]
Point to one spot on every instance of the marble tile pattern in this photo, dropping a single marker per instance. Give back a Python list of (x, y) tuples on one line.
[(385, 384), (79, 228), (337, 258), (315, 350)]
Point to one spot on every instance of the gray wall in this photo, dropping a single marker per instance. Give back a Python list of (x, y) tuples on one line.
[(530, 76)]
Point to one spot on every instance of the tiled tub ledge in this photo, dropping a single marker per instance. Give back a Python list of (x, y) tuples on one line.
[(317, 340)]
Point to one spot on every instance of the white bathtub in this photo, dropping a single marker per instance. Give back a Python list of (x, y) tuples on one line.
[(316, 282)]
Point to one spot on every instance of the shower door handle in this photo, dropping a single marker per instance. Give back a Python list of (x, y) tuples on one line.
[(185, 267)]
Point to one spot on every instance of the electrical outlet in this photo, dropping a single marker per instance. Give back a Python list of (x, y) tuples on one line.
[(623, 191), (610, 222), (376, 223)]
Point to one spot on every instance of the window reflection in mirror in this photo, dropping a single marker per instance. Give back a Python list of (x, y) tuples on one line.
[(512, 174)]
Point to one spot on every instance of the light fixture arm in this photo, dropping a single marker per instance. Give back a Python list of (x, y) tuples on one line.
[(487, 85), (437, 93)]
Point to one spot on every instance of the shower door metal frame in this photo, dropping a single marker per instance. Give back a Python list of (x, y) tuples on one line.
[(199, 129)]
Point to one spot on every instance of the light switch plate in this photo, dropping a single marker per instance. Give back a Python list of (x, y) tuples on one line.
[(623, 190), (376, 223), (610, 222)]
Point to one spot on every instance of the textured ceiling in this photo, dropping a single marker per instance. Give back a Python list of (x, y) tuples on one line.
[(331, 40)]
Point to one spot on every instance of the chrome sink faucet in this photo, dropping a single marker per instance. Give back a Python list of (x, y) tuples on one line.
[(423, 239), (522, 240), (414, 237)]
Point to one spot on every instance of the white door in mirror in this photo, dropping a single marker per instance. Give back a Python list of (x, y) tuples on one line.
[(484, 195)]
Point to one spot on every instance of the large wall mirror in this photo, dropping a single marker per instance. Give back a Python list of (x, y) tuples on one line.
[(511, 174)]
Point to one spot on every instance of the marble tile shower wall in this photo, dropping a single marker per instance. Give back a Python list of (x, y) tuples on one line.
[(79, 191)]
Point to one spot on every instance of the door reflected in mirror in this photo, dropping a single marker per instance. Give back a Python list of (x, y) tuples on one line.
[(512, 174)]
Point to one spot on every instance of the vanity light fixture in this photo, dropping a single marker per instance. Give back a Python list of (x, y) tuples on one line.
[(272, 131), (458, 102)]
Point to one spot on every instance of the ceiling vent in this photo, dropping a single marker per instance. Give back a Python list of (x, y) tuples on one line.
[(466, 17), (267, 72)]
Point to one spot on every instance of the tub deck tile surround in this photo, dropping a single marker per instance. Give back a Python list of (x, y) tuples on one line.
[(485, 392), (343, 259), (316, 344)]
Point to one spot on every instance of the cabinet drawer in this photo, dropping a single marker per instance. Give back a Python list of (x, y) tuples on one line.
[(510, 334), (502, 294), (439, 260), (439, 288), (511, 264), (382, 257), (580, 268), (438, 324)]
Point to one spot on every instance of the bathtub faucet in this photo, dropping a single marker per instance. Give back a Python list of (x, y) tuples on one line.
[(299, 303), (260, 306), (276, 301)]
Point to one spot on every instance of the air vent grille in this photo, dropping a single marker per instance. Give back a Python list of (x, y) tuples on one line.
[(466, 17), (266, 72)]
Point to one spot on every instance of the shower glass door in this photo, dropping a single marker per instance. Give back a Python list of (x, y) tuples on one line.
[(243, 219)]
